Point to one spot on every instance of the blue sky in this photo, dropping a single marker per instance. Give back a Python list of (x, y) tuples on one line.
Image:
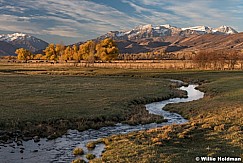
[(70, 21)]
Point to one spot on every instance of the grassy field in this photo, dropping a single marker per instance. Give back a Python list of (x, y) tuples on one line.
[(70, 97), (55, 98), (215, 126)]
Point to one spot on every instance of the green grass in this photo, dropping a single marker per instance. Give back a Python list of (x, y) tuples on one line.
[(73, 97), (43, 97), (43, 104), (215, 126)]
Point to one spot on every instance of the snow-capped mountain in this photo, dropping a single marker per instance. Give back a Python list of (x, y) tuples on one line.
[(21, 40), (15, 36), (148, 38), (225, 29), (199, 29), (150, 31)]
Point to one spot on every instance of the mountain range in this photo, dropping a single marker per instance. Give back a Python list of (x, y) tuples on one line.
[(147, 38), (10, 42), (150, 31), (144, 38)]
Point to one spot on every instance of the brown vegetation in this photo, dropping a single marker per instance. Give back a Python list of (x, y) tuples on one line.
[(219, 60)]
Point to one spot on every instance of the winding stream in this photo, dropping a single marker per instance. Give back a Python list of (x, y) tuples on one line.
[(60, 149)]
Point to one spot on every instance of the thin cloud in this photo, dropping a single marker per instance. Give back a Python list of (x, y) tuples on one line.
[(17, 24), (75, 14), (82, 19)]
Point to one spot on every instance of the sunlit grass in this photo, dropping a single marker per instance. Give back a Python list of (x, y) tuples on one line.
[(214, 129)]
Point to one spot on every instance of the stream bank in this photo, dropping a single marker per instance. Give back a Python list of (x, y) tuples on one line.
[(60, 149)]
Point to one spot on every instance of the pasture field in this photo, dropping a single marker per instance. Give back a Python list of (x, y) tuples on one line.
[(214, 128), (49, 103), (55, 98)]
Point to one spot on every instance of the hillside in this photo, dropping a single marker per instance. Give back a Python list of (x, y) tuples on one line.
[(10, 42), (178, 43), (150, 38)]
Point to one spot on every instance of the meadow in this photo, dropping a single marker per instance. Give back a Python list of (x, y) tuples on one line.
[(55, 98), (63, 98), (214, 128)]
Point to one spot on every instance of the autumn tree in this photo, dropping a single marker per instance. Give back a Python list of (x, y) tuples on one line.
[(201, 59), (23, 54), (67, 54), (38, 56), (232, 58), (75, 53), (107, 50), (53, 52), (59, 49), (216, 59), (240, 57), (87, 51)]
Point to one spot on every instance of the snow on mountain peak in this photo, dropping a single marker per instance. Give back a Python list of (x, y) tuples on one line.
[(225, 29), (144, 27), (14, 36), (199, 29), (166, 25)]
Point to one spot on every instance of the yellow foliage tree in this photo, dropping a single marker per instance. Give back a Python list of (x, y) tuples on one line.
[(67, 55), (59, 49), (53, 52), (107, 50), (87, 51), (38, 56), (23, 54)]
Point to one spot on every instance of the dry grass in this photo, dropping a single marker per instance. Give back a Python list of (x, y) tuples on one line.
[(214, 129)]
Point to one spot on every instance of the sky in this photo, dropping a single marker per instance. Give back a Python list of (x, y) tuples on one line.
[(71, 21)]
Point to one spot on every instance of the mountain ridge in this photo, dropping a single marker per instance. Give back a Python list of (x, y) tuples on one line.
[(149, 38), (143, 38), (20, 40), (150, 31)]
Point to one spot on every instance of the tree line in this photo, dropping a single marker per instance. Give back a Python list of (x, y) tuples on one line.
[(219, 60), (105, 50)]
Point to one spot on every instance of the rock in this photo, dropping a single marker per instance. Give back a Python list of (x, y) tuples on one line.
[(18, 131), (9, 141), (51, 137), (21, 151), (27, 138), (185, 84), (19, 143), (4, 137), (36, 139), (10, 134), (2, 132)]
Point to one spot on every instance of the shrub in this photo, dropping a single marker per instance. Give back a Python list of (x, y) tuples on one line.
[(219, 128), (78, 160), (90, 145), (234, 128), (206, 125), (90, 156), (78, 151)]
